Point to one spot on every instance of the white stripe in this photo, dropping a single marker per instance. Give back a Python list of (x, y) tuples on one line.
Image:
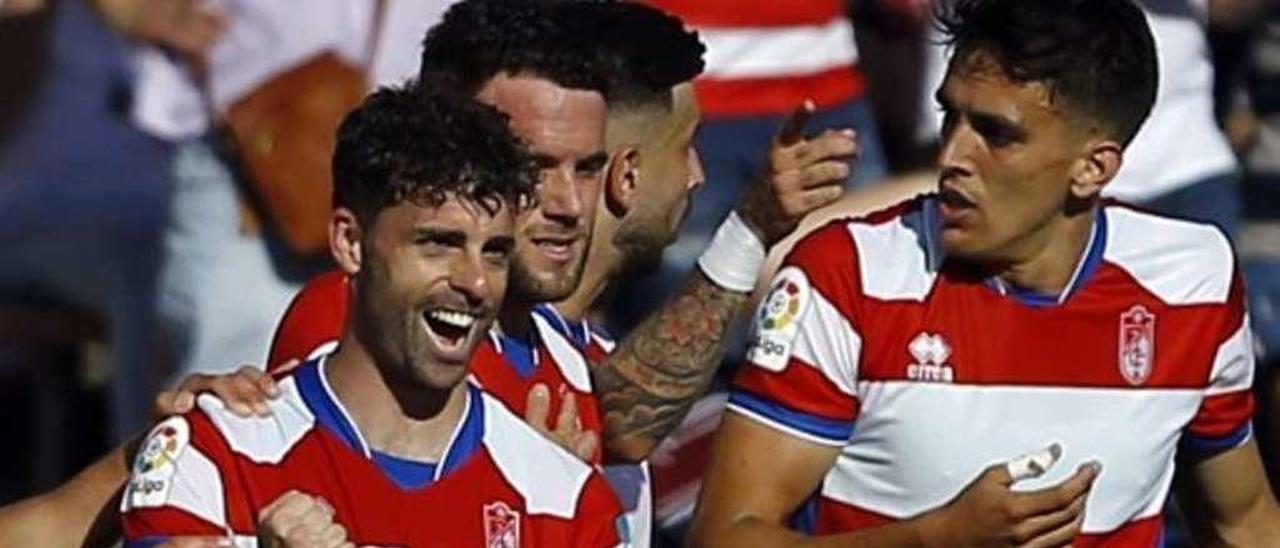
[(548, 477), (774, 52), (784, 428), (828, 342), (197, 487), (1233, 364), (263, 440), (1181, 262), (895, 258), (917, 445), (567, 356)]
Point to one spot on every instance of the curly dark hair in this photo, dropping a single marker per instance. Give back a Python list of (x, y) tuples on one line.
[(421, 145), (478, 39), (1098, 56), (648, 50)]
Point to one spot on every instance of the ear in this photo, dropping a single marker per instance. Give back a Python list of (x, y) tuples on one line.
[(1099, 165), (622, 180), (345, 235)]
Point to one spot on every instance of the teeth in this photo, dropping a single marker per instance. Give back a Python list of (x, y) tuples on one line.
[(460, 320)]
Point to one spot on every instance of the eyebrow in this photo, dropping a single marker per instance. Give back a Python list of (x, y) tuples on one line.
[(443, 235), (594, 162), (500, 243), (988, 119)]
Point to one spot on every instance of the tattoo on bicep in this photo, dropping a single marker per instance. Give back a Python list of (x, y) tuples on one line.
[(648, 384)]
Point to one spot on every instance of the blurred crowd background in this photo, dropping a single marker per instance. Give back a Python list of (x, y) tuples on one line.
[(134, 253)]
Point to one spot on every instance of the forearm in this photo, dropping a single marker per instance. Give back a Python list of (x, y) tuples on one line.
[(20, 7), (654, 376), (81, 512)]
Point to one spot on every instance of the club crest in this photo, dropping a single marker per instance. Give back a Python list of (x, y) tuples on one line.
[(1137, 344), (501, 526)]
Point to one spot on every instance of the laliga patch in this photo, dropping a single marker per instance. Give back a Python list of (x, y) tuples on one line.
[(778, 320), (154, 467)]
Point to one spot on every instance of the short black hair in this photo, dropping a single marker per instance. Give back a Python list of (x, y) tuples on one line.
[(479, 39), (421, 145), (648, 50), (1096, 55)]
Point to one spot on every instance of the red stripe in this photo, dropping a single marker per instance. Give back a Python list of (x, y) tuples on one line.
[(837, 517), (778, 95), (1223, 414), (164, 522), (799, 387), (753, 13), (317, 315)]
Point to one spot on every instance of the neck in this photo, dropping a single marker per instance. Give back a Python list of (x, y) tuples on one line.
[(395, 414), (1055, 253), (514, 320), (603, 263)]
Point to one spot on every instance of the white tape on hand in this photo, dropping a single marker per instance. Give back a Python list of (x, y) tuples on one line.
[(735, 256), (1033, 465)]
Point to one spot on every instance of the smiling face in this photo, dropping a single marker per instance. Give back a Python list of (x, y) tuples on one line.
[(1007, 159), (564, 129), (429, 285)]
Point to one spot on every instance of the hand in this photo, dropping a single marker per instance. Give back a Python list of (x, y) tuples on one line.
[(801, 175), (568, 431), (989, 513), (298, 520), (189, 27), (244, 392)]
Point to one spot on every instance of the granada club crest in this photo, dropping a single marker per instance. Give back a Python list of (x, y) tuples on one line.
[(1137, 344), (501, 526)]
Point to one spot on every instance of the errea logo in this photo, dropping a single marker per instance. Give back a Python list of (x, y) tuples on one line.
[(930, 352)]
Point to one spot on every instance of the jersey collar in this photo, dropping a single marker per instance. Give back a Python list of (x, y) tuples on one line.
[(332, 415), (1086, 266)]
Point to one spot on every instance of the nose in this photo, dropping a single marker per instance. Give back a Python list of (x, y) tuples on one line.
[(697, 177), (467, 277), (559, 197), (955, 149)]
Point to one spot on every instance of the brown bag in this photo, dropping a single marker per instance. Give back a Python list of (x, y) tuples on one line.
[(283, 135)]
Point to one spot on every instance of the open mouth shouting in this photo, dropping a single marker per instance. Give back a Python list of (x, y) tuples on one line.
[(451, 331)]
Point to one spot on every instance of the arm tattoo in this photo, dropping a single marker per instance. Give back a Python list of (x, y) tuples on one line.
[(649, 383)]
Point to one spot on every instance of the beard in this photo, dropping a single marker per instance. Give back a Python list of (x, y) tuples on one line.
[(544, 287), (642, 238)]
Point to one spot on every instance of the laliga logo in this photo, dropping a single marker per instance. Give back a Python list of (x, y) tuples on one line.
[(782, 306), (160, 450)]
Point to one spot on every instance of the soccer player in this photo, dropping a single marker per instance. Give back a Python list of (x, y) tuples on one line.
[(899, 354), (386, 430)]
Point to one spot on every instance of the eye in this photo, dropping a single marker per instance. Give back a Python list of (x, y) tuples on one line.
[(497, 253)]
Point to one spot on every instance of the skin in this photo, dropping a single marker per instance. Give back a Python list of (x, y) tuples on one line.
[(398, 373), (1019, 180)]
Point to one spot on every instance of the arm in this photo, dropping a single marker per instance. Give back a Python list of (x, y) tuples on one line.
[(759, 477), (14, 8), (1228, 501), (658, 371), (1235, 14), (79, 512), (85, 510)]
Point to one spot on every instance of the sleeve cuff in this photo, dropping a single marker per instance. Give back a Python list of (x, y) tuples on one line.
[(809, 427), (1204, 446)]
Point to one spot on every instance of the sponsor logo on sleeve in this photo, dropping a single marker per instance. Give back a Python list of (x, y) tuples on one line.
[(155, 465), (777, 322)]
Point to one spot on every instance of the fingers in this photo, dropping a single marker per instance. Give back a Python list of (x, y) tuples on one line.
[(1051, 499), (830, 145), (1033, 465), (792, 129), (538, 408), (298, 516), (1041, 529), (289, 365), (586, 446), (567, 422), (1061, 536)]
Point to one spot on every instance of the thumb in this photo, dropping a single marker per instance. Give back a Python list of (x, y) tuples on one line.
[(537, 407)]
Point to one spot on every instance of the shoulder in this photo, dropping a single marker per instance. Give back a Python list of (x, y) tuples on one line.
[(1180, 262), (552, 481), (889, 254), (262, 440)]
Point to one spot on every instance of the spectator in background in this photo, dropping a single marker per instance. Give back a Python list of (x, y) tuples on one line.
[(764, 58), (82, 193), (226, 280)]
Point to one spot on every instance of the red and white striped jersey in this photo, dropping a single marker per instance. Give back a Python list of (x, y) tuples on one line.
[(923, 373), (767, 56), (499, 483)]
